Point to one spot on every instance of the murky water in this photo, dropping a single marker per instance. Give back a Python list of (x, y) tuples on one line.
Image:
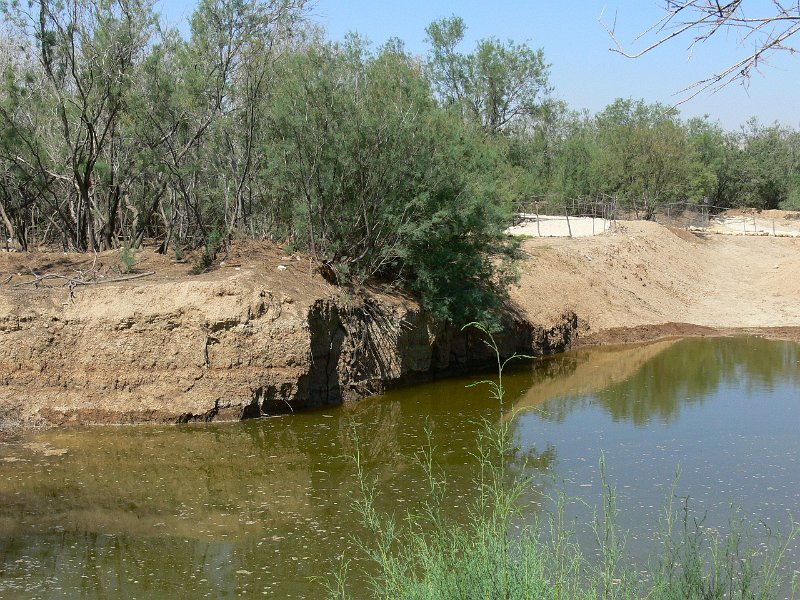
[(259, 509)]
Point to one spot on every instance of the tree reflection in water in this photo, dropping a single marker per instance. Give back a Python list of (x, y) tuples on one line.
[(641, 383)]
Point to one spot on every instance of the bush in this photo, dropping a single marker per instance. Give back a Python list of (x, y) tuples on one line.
[(381, 183), (127, 258), (206, 261)]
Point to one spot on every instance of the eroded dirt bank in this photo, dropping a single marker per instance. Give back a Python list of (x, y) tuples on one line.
[(265, 334), (262, 334)]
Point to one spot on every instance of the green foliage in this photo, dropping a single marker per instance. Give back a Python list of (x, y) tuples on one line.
[(709, 154), (764, 166), (127, 258), (792, 201), (381, 166), (71, 125), (498, 86), (379, 182), (577, 170), (643, 154), (206, 260), (633, 151), (203, 264)]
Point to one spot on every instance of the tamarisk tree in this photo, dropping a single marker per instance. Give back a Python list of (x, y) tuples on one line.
[(87, 53), (498, 85)]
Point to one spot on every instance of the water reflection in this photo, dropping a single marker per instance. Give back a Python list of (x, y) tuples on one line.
[(259, 508), (724, 411), (226, 510), (641, 383), (578, 375)]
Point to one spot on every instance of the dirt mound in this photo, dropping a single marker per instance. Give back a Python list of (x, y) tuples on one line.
[(644, 281)]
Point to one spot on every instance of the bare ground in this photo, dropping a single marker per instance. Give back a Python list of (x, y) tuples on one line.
[(263, 333), (645, 281)]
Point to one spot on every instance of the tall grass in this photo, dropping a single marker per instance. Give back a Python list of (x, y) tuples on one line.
[(492, 553)]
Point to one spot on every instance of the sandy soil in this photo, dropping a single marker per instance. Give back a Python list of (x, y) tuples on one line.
[(751, 222), (557, 226), (643, 280)]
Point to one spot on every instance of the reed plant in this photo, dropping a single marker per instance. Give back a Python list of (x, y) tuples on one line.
[(496, 553)]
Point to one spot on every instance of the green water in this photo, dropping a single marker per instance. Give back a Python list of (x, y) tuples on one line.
[(257, 509)]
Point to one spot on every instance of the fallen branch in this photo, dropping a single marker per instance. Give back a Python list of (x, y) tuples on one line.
[(75, 281), (6, 280), (125, 278)]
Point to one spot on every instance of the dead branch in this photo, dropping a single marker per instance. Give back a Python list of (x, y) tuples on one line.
[(764, 35), (74, 281)]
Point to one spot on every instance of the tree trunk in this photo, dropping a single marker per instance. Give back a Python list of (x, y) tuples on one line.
[(7, 223)]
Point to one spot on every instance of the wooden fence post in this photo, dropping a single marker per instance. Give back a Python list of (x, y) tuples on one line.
[(566, 213)]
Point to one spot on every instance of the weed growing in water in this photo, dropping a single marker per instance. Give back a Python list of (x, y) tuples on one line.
[(700, 562), (425, 555)]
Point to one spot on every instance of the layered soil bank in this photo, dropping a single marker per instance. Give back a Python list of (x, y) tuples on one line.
[(263, 333)]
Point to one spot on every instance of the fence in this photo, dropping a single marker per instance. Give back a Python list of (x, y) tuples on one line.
[(550, 216), (687, 214), (546, 212)]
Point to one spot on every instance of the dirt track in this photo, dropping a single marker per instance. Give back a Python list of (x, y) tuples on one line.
[(645, 280)]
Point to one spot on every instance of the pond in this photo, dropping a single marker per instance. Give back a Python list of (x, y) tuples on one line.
[(258, 509)]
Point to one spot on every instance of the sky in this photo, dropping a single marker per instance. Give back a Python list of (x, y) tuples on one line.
[(583, 71)]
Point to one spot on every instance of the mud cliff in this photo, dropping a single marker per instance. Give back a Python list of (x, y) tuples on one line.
[(260, 335)]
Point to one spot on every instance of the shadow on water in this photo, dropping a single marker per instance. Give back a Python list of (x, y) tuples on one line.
[(221, 510)]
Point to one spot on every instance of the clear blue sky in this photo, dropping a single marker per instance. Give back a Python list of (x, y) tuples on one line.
[(584, 72)]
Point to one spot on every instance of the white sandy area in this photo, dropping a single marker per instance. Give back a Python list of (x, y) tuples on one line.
[(754, 225), (764, 223), (556, 226)]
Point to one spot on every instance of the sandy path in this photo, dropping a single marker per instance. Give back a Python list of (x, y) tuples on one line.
[(749, 282)]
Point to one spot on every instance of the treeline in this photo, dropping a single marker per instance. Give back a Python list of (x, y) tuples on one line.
[(377, 163), (645, 153)]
